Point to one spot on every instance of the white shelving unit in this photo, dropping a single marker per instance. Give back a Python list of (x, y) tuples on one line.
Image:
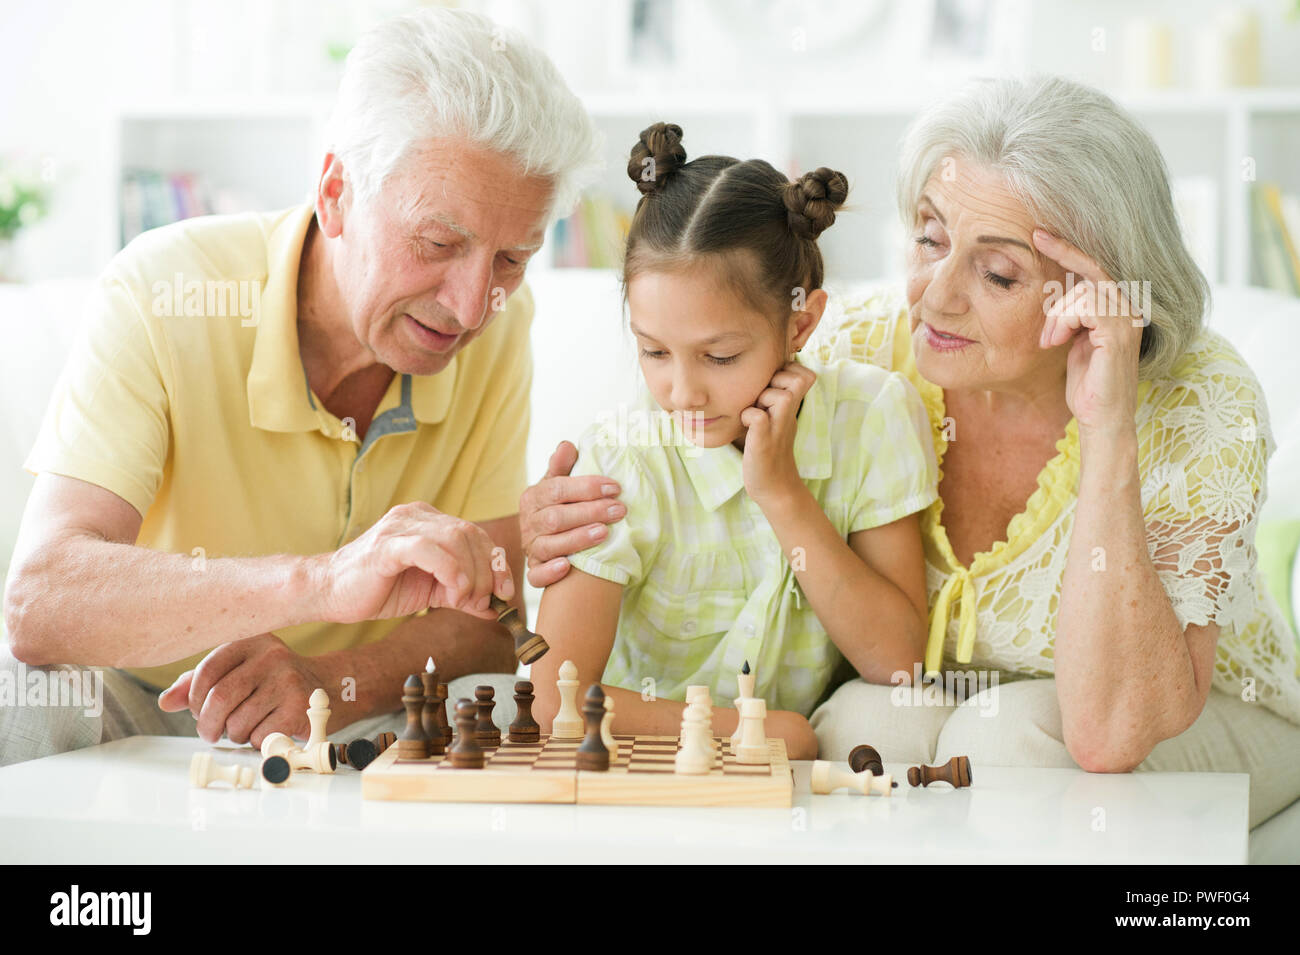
[(270, 151)]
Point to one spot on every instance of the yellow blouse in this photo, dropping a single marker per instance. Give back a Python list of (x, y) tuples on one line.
[(1204, 443)]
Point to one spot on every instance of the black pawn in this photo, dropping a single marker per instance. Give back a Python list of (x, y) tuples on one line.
[(865, 757), (465, 752), (486, 730), (358, 754), (413, 744), (524, 729), (592, 754)]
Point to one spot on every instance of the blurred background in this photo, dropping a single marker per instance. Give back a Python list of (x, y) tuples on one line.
[(118, 117)]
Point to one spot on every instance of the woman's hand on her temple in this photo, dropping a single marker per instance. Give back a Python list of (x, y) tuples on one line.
[(561, 515), (770, 469), (1104, 330)]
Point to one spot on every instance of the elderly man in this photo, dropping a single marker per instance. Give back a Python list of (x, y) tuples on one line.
[(324, 487)]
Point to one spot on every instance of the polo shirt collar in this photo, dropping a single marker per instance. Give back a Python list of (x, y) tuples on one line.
[(279, 396), (718, 473)]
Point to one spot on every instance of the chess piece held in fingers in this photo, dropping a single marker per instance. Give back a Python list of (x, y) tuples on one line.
[(529, 646)]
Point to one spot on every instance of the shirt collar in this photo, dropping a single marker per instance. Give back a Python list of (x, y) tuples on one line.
[(718, 473), (279, 396)]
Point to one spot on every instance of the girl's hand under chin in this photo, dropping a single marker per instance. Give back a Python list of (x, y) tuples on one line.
[(769, 467)]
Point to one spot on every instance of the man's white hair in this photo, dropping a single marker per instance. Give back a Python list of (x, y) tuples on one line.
[(438, 73), (1088, 172)]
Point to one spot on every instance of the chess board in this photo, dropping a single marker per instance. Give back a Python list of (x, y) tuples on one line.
[(642, 774)]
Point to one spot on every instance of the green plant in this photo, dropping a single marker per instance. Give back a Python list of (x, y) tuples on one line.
[(24, 199)]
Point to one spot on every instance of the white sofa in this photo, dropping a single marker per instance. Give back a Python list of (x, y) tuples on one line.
[(584, 362)]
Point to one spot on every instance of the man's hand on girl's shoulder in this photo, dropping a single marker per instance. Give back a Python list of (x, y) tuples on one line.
[(561, 515)]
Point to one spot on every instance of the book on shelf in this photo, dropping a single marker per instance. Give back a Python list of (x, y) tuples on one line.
[(1275, 228), (593, 236), (151, 199)]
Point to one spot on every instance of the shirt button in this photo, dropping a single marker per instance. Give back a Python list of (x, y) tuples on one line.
[(749, 629), (688, 626)]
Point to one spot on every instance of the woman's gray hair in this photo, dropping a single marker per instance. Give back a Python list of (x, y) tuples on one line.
[(438, 73), (1088, 172)]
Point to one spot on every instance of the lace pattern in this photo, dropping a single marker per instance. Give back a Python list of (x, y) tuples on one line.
[(1204, 444)]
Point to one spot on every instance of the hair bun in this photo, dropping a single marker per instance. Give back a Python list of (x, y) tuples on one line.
[(811, 201), (656, 156)]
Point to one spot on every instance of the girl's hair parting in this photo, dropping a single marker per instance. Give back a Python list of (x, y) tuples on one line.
[(753, 225)]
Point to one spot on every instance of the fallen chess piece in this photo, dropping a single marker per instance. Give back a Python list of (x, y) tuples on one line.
[(827, 777), (320, 758), (865, 757), (956, 773), (204, 770), (360, 753), (276, 770)]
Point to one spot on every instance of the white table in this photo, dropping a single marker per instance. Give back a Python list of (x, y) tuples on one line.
[(130, 801)]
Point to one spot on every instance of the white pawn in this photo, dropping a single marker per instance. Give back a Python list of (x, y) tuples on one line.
[(752, 750), (827, 777), (568, 722), (746, 681), (695, 758), (204, 770), (702, 696), (318, 715), (607, 729)]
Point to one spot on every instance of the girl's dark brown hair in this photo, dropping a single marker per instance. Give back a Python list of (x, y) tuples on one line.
[(760, 228)]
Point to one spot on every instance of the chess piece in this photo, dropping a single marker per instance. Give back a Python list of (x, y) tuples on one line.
[(429, 712), (865, 757), (360, 753), (753, 750), (465, 752), (278, 744), (568, 722), (413, 744), (956, 773), (524, 729), (701, 695), (592, 754), (318, 716), (695, 758), (746, 679), (827, 777), (320, 758), (529, 646), (204, 770), (607, 729), (441, 714), (486, 731), (276, 770)]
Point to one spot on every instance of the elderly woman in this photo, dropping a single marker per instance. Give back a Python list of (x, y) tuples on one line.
[(1102, 464)]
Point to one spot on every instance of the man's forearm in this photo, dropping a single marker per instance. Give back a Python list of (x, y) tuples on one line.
[(458, 643), (97, 603)]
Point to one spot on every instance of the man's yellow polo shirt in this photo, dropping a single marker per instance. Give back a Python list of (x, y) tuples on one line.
[(192, 405)]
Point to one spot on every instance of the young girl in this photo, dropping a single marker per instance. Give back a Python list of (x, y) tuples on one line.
[(778, 527)]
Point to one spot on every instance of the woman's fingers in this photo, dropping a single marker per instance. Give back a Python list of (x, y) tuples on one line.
[(1068, 257)]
